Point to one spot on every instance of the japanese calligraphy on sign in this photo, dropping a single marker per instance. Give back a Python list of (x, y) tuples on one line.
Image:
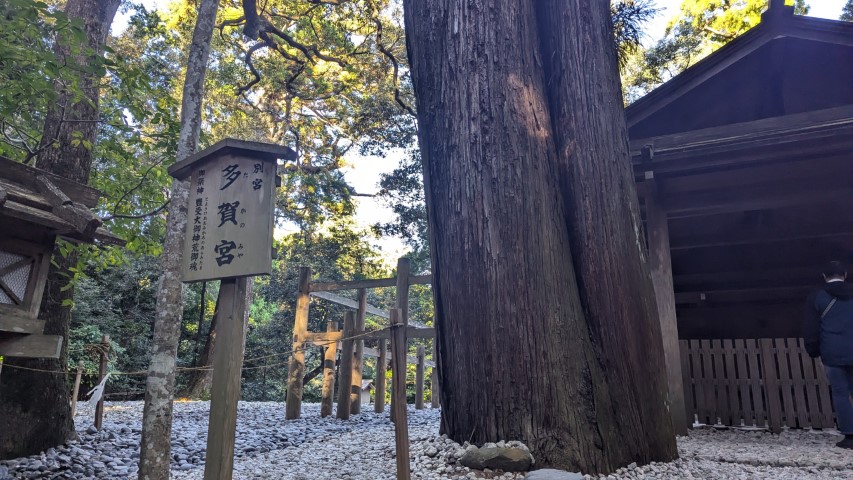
[(230, 219)]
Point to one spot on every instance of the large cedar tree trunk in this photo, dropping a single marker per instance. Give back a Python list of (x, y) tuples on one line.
[(160, 384), (606, 230), (34, 409), (528, 348)]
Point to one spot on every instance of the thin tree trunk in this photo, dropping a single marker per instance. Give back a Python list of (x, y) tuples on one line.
[(614, 280), (521, 355), (160, 385), (199, 383), (35, 413)]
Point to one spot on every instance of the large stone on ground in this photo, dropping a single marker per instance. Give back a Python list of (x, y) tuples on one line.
[(496, 458), (551, 474)]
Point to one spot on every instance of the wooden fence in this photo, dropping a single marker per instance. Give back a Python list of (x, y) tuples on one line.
[(768, 382)]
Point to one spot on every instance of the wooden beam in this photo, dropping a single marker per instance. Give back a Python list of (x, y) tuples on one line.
[(353, 284), (777, 234), (738, 133), (379, 382), (225, 389), (329, 358), (358, 353), (419, 378), (368, 283), (420, 279), (732, 279), (345, 368), (25, 175), (716, 297), (322, 339), (759, 198), (296, 369), (370, 352), (660, 265), (30, 346), (349, 303)]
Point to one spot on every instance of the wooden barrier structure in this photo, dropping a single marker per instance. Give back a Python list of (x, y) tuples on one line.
[(104, 354), (398, 395), (329, 374), (765, 383), (354, 361), (76, 390), (345, 372)]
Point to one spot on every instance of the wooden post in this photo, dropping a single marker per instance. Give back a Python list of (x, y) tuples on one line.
[(771, 384), (419, 379), (225, 389), (398, 380), (381, 362), (345, 369), (660, 264), (296, 370), (76, 390), (403, 270), (433, 379), (102, 371), (329, 373), (358, 354)]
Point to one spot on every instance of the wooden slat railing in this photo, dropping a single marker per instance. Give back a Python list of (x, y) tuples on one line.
[(768, 382)]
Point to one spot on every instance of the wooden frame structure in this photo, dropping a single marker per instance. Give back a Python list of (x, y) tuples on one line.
[(744, 169), (350, 362), (35, 208)]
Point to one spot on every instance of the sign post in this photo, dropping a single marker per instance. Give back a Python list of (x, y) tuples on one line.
[(229, 237)]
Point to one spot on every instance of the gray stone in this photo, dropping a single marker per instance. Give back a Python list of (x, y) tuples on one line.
[(551, 474), (92, 430), (506, 459)]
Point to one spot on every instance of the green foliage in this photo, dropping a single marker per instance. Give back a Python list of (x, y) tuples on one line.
[(29, 69), (847, 12), (700, 28)]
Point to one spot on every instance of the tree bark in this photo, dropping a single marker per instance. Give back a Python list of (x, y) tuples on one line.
[(160, 385), (524, 352), (35, 413), (614, 280)]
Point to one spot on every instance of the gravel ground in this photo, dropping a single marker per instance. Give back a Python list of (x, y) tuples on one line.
[(362, 449)]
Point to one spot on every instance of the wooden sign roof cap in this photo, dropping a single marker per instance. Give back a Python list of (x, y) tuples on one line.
[(259, 150)]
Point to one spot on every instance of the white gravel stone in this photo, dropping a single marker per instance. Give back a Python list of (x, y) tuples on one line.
[(267, 447)]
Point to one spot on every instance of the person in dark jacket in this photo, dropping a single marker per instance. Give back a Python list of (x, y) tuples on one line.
[(828, 334)]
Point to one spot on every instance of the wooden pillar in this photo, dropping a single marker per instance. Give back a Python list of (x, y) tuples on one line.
[(296, 370), (433, 379), (403, 270), (345, 369), (419, 379), (660, 265), (329, 373), (379, 393), (398, 380), (225, 389), (76, 392), (358, 354), (102, 371)]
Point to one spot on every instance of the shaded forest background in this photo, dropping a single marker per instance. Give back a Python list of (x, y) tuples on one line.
[(349, 95)]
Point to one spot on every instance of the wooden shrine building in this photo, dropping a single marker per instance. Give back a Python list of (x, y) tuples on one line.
[(744, 165), (35, 208)]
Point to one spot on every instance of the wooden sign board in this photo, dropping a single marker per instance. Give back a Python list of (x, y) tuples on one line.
[(230, 210), (230, 218)]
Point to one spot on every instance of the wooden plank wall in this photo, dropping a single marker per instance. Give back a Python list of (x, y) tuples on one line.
[(768, 382)]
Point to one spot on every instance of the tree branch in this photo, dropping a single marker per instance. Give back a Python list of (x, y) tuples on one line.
[(395, 64), (136, 217)]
